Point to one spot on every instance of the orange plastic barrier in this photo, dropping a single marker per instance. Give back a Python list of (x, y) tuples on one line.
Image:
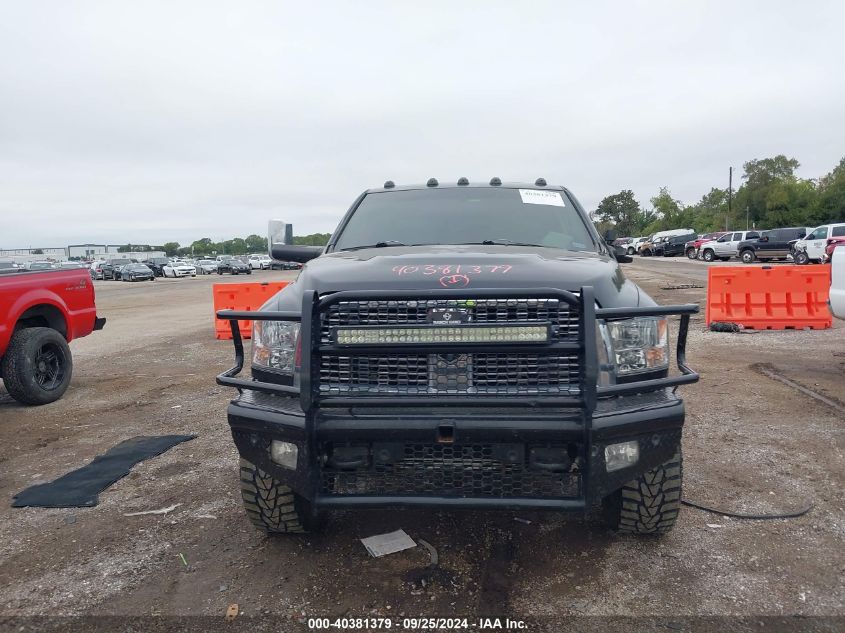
[(769, 297), (247, 296)]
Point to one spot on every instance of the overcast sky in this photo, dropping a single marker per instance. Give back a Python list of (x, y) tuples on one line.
[(156, 121)]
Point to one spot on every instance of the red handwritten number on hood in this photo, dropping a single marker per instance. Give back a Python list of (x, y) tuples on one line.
[(454, 281)]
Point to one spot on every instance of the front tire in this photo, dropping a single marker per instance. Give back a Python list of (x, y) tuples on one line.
[(38, 366), (709, 255), (747, 256), (650, 503), (691, 254), (273, 507), (801, 258)]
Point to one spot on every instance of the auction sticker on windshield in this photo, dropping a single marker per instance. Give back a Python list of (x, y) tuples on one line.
[(535, 196)]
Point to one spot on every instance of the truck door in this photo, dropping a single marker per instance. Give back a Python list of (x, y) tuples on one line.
[(816, 242)]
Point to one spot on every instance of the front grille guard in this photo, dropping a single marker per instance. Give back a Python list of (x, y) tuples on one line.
[(585, 347)]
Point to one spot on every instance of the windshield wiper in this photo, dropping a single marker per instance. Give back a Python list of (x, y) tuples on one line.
[(503, 242), (383, 244)]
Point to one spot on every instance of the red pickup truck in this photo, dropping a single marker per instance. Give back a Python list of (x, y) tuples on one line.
[(40, 313)]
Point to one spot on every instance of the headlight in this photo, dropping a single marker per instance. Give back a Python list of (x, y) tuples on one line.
[(639, 345), (274, 345)]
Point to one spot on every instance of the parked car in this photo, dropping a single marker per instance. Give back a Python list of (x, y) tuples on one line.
[(42, 312), (233, 266), (837, 282), (40, 266), (259, 262), (675, 245), (206, 266), (726, 246), (108, 268), (157, 265), (693, 247), (179, 269), (137, 272), (833, 243), (8, 265), (772, 244), (812, 247), (96, 270)]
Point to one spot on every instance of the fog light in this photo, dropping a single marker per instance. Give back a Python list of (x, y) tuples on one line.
[(284, 454), (618, 456)]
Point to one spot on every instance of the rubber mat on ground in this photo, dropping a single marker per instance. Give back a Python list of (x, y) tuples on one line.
[(80, 488)]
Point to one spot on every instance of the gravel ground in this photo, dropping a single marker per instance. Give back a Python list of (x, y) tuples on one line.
[(751, 444)]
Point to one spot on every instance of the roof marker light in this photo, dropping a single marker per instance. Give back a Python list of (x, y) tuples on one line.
[(540, 182), (463, 181), (432, 182), (388, 184), (495, 181)]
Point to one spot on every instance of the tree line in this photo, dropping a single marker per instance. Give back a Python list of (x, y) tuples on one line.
[(770, 196), (235, 246)]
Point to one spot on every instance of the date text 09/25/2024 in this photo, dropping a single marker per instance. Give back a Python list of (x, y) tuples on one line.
[(415, 624)]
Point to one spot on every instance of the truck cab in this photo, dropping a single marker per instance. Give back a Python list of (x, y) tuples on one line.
[(459, 345)]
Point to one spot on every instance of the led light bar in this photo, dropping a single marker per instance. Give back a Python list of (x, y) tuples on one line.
[(441, 334)]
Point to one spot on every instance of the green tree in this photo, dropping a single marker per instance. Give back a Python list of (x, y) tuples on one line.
[(170, 248), (830, 200), (314, 239), (620, 211), (256, 243), (772, 195), (203, 246)]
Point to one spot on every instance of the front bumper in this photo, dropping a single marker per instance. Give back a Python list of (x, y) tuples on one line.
[(517, 450), (488, 457)]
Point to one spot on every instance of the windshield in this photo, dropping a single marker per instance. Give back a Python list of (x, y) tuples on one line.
[(470, 215)]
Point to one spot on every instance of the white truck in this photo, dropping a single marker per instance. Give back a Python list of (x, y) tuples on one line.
[(811, 248), (837, 283), (726, 246)]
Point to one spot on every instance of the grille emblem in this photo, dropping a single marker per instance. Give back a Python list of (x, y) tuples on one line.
[(447, 316)]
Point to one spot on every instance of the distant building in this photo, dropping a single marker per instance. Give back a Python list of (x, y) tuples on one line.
[(22, 252), (86, 251)]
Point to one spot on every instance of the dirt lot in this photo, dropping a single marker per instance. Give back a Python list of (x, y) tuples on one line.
[(752, 444)]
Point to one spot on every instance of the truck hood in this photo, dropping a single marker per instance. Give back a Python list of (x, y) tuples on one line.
[(462, 267)]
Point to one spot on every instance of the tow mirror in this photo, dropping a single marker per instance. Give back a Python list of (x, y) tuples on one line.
[(609, 236), (280, 244)]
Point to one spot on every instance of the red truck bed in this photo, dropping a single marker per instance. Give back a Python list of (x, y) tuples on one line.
[(40, 312)]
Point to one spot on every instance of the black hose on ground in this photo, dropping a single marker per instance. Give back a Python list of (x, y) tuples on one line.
[(758, 517)]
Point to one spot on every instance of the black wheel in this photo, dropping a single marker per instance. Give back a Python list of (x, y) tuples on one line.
[(691, 254), (747, 256), (37, 366), (273, 507), (631, 250), (650, 503), (709, 255), (801, 258)]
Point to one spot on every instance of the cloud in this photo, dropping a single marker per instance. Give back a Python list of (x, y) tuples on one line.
[(154, 121)]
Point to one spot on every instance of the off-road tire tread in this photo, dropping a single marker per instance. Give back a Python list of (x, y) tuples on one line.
[(650, 503), (272, 506), (12, 368)]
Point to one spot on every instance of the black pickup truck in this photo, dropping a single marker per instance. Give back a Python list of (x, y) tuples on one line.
[(773, 244), (461, 345)]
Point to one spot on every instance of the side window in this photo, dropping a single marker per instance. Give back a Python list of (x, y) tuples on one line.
[(737, 237), (725, 238), (752, 235), (819, 234), (838, 231)]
